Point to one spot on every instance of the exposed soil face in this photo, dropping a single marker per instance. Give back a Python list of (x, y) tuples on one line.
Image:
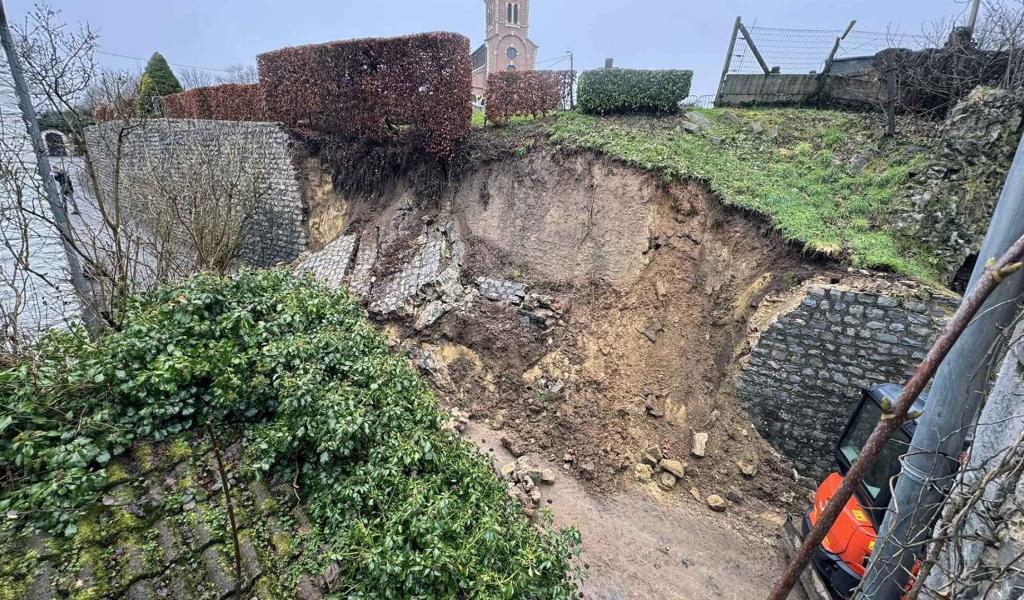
[(638, 297), (656, 284)]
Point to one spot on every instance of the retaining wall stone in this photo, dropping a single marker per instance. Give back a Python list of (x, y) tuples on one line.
[(276, 233), (805, 372)]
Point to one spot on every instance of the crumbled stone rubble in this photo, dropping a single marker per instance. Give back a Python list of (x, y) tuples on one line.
[(524, 480), (656, 467)]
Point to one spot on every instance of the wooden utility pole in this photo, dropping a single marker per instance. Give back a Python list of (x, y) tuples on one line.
[(53, 195), (728, 60)]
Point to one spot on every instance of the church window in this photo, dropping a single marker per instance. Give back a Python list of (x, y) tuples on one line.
[(509, 19), (511, 53), (510, 68), (515, 13)]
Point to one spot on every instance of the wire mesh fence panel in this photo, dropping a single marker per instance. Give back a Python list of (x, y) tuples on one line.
[(806, 50)]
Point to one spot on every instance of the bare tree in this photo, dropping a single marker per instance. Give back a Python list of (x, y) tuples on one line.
[(192, 78), (143, 217), (199, 196), (240, 74)]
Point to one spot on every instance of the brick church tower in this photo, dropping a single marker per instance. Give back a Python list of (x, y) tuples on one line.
[(507, 45)]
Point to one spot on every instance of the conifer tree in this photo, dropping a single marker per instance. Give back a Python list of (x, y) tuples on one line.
[(157, 80)]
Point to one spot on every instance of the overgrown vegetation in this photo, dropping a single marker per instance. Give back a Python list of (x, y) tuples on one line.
[(404, 507), (826, 179)]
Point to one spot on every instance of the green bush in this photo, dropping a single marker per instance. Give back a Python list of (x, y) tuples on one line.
[(607, 91), (407, 508)]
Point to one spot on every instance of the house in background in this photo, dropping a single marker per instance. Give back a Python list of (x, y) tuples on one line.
[(507, 45)]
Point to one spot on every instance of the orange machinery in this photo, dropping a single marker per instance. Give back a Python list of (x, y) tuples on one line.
[(840, 561)]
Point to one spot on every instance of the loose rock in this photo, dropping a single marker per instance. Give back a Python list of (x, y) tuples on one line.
[(653, 455), (716, 503), (667, 480), (734, 495), (513, 446), (700, 444), (749, 469), (642, 472), (673, 466)]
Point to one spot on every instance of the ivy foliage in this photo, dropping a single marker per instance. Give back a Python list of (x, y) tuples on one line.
[(403, 507), (621, 91)]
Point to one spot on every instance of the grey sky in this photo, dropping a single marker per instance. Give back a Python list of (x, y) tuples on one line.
[(638, 33)]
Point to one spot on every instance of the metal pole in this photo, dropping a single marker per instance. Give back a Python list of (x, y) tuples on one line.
[(572, 82), (953, 403), (973, 19), (53, 195), (728, 60)]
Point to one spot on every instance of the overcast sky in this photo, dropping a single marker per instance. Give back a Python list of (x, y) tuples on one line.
[(637, 33)]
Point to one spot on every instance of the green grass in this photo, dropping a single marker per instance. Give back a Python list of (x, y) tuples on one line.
[(801, 179)]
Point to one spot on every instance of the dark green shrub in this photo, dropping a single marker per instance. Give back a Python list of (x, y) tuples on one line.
[(414, 510), (157, 80), (607, 91)]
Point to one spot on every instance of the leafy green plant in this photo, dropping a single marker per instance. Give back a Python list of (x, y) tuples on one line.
[(606, 91), (406, 508)]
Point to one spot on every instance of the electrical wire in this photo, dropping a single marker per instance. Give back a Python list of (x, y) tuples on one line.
[(170, 63)]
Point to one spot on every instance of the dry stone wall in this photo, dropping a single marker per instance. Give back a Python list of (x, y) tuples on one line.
[(805, 372), (950, 203), (277, 231)]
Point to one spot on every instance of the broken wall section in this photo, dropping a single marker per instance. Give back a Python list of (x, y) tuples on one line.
[(276, 232), (805, 372)]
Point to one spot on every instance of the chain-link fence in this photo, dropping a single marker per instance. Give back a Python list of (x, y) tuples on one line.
[(807, 50)]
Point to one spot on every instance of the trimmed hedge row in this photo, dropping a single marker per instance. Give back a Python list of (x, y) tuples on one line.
[(521, 93), (375, 88), (228, 102), (605, 91)]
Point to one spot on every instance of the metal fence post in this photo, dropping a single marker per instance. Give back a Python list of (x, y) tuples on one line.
[(728, 60)]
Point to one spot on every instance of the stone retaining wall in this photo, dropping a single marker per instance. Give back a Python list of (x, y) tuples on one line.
[(260, 152), (805, 372)]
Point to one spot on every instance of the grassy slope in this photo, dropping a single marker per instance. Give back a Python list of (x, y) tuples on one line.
[(802, 179)]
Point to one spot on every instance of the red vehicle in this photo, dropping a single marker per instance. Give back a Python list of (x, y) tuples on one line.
[(840, 561)]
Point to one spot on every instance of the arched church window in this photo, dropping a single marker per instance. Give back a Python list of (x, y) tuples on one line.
[(509, 19), (510, 68), (515, 13)]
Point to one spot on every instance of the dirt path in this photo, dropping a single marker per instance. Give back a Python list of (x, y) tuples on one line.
[(638, 546)]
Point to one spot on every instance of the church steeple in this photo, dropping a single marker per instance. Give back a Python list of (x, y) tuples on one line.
[(507, 46)]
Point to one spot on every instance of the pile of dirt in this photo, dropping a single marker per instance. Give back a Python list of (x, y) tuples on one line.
[(646, 288)]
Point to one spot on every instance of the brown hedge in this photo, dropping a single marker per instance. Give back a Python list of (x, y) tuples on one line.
[(227, 102), (375, 89), (522, 93), (123, 109)]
